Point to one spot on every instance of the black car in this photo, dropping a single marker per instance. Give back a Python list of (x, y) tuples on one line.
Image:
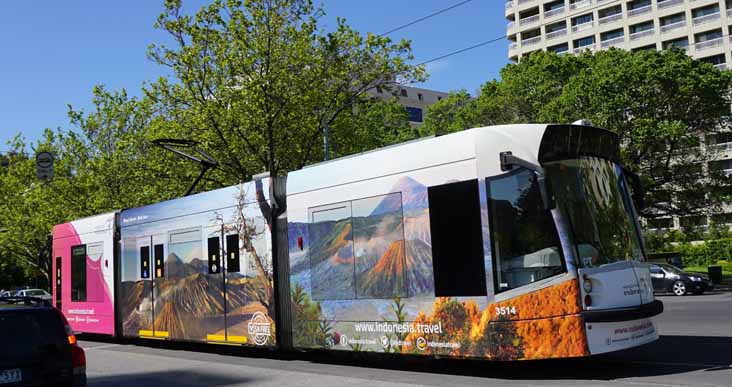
[(38, 345), (669, 278)]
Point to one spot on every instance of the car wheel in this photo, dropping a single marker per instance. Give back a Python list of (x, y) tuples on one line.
[(679, 288)]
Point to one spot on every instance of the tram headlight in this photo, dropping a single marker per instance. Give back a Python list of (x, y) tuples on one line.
[(587, 285)]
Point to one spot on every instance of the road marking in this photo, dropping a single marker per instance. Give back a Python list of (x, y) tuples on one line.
[(102, 346)]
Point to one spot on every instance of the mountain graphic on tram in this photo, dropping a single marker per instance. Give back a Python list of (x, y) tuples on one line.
[(502, 243)]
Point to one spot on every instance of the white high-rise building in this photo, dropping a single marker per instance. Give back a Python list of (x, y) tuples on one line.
[(701, 27)]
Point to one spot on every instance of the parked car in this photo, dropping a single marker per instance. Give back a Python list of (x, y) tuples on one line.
[(7, 293), (38, 293), (669, 278), (38, 345)]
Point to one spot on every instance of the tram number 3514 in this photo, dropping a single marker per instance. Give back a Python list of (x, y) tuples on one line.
[(505, 310)]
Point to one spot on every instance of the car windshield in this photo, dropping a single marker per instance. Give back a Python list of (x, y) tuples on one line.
[(672, 269), (593, 193)]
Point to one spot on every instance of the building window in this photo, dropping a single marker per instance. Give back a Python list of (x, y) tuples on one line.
[(415, 114), (722, 218), (419, 96), (693, 221), (660, 223), (403, 92)]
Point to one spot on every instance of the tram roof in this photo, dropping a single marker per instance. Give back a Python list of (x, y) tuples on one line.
[(522, 139)]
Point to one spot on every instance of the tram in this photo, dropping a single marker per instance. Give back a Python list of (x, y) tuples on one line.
[(502, 243)]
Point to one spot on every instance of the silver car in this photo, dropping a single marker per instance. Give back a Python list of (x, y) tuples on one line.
[(38, 293)]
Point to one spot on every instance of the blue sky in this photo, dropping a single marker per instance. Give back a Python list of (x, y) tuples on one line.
[(55, 52)]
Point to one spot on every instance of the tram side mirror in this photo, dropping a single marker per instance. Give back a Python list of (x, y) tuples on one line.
[(509, 161), (636, 185)]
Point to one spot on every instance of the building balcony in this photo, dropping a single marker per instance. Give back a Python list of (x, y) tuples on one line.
[(612, 42), (582, 27), (642, 34), (554, 12), (531, 41), (673, 26), (669, 3), (708, 44), (712, 17), (510, 26), (639, 11), (529, 20), (589, 47), (721, 66), (580, 4), (729, 12), (556, 34), (684, 47), (610, 19), (509, 4), (520, 2), (725, 146)]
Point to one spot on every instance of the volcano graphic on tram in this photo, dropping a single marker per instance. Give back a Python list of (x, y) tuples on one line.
[(503, 243)]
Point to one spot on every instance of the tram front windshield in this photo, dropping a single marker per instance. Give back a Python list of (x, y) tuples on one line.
[(594, 196)]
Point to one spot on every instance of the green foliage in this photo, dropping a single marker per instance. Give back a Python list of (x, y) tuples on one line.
[(106, 163), (253, 82), (659, 103), (259, 81)]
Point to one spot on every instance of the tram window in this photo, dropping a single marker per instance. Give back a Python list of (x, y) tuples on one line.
[(457, 241), (159, 251), (232, 257), (524, 237), (331, 252), (378, 242), (145, 262), (78, 273), (357, 249)]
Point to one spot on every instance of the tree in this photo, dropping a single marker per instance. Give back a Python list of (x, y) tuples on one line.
[(661, 105), (258, 82), (106, 164)]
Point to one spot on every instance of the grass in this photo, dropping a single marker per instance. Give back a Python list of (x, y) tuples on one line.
[(703, 269), (726, 274)]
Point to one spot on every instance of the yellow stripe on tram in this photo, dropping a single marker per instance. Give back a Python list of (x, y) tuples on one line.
[(224, 339), (147, 334)]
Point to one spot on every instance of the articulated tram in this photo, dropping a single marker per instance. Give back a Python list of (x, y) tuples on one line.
[(502, 243)]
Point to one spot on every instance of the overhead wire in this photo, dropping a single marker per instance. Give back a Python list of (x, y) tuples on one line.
[(425, 17), (499, 38)]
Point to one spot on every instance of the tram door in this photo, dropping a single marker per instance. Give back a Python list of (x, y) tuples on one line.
[(236, 299), (215, 320), (146, 307)]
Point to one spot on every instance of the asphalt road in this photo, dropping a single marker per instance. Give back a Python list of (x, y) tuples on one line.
[(695, 349)]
